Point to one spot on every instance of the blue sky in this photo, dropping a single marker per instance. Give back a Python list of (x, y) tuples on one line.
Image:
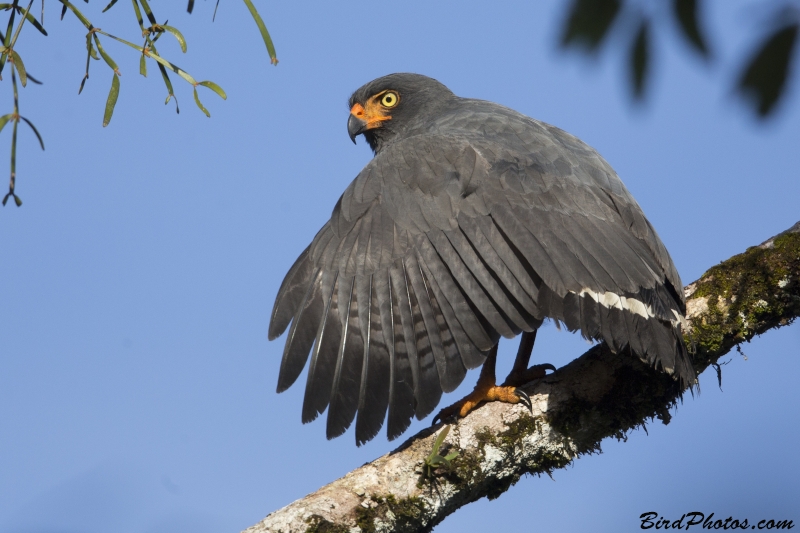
[(137, 385)]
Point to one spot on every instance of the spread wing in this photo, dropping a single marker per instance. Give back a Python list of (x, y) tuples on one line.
[(444, 243)]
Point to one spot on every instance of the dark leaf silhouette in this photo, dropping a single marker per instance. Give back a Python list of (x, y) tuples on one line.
[(764, 79), (686, 14), (639, 59), (588, 22)]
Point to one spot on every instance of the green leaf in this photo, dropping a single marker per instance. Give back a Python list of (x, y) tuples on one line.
[(23, 76), (439, 440), (21, 23), (763, 80), (588, 23), (113, 94), (449, 457), (178, 36), (111, 62), (35, 131), (148, 12), (686, 13), (177, 70), (436, 460), (639, 59), (91, 53), (170, 91), (200, 105), (17, 199), (13, 150), (90, 47), (214, 87), (10, 27), (143, 66), (30, 18), (4, 120), (264, 33), (138, 14), (109, 6), (77, 13)]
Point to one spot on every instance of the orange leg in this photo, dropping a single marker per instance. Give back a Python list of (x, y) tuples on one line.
[(487, 391)]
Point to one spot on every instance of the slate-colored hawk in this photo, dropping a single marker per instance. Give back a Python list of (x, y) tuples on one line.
[(471, 222)]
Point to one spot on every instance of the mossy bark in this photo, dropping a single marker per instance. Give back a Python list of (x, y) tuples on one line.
[(598, 395)]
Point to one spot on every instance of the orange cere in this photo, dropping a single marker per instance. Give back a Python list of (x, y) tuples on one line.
[(373, 115)]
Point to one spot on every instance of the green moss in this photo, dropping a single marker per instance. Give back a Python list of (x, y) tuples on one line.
[(406, 511), (402, 513), (317, 524), (519, 428), (467, 468), (745, 297)]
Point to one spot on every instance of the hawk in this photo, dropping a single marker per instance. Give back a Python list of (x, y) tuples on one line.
[(471, 222)]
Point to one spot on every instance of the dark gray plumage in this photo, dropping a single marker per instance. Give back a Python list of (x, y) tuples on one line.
[(472, 221)]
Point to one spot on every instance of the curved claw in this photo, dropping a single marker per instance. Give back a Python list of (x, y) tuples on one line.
[(524, 399), (446, 413)]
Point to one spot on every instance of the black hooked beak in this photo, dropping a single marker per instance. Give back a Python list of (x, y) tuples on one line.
[(355, 127)]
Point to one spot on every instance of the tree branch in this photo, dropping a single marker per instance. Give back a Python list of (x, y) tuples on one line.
[(598, 395)]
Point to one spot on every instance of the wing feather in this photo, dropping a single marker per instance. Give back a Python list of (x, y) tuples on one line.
[(401, 379), (301, 335), (431, 333), (376, 374), (489, 279), (471, 357), (404, 325), (292, 290), (497, 264), (430, 389), (531, 250), (480, 333), (452, 373), (470, 285), (347, 376), (324, 355)]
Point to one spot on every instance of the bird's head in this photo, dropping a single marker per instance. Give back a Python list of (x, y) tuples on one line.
[(393, 106)]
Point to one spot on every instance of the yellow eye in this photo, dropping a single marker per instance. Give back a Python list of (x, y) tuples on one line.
[(390, 99)]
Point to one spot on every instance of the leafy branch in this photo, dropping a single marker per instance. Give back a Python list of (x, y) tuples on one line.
[(148, 50), (150, 33), (9, 55)]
